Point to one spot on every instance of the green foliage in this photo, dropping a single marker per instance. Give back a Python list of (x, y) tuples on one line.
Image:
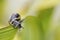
[(37, 27), (7, 33)]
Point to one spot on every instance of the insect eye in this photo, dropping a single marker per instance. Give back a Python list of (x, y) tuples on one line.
[(17, 15)]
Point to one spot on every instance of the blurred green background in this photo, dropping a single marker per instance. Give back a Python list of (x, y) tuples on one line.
[(42, 19)]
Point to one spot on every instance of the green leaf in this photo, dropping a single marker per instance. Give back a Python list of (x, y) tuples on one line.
[(7, 33)]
